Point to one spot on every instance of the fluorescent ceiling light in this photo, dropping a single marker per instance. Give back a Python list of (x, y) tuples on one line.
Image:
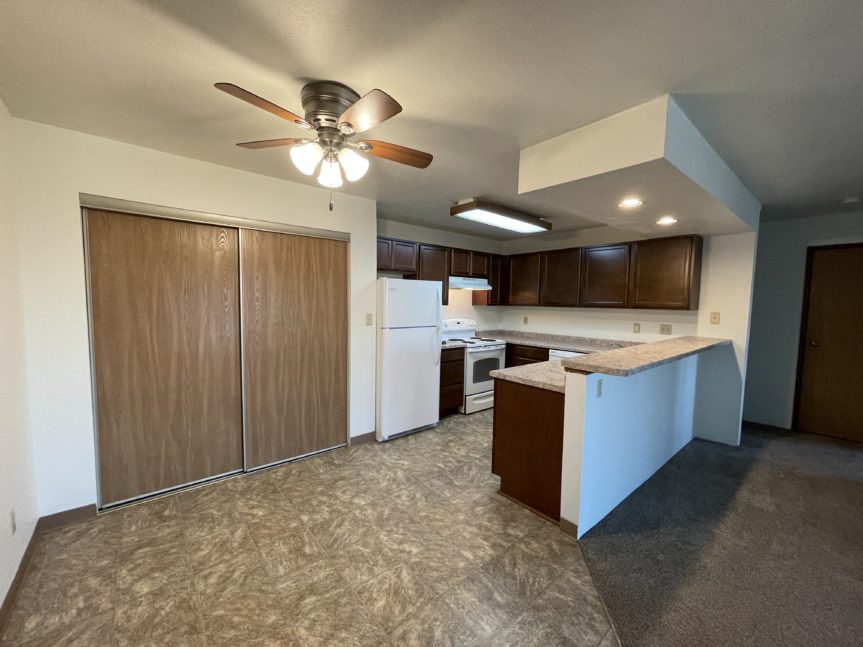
[(495, 216), (630, 203), (666, 220)]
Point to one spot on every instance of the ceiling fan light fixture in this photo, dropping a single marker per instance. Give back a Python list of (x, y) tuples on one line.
[(331, 174), (501, 217), (354, 165), (306, 157)]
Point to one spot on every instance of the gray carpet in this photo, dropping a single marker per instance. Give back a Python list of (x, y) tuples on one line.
[(754, 545)]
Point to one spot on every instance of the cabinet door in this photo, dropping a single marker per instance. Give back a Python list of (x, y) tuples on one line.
[(604, 276), (385, 254), (493, 297), (459, 262), (665, 273), (561, 277), (518, 355), (524, 280), (434, 266), (404, 256), (479, 263)]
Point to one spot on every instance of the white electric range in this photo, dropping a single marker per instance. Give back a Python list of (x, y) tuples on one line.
[(482, 356)]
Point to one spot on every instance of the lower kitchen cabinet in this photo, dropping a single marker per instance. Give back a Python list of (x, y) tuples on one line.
[(527, 451), (519, 355), (451, 380)]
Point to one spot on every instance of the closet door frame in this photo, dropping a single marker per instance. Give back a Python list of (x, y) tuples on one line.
[(124, 207)]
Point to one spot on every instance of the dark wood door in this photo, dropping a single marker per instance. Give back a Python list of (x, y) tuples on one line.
[(434, 266), (166, 352), (830, 380), (560, 277), (665, 273), (459, 262), (524, 280), (479, 264), (404, 256), (295, 317), (604, 276), (385, 254)]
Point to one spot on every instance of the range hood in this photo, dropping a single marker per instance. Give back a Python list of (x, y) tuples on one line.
[(463, 283)]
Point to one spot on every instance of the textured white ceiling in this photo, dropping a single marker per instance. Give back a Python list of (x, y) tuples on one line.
[(775, 85)]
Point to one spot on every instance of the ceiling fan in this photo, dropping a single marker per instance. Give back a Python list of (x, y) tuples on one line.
[(337, 114)]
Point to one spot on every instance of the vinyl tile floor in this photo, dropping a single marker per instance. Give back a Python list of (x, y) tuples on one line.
[(396, 544)]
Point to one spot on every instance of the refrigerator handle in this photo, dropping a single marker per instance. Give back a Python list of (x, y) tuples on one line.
[(439, 349)]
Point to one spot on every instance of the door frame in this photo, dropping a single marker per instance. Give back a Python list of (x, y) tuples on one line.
[(129, 208), (804, 321)]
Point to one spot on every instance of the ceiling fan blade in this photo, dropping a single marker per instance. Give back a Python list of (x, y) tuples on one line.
[(263, 104), (396, 153), (370, 110), (269, 143)]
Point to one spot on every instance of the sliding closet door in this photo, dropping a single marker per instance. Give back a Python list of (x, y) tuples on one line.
[(295, 321), (166, 352)]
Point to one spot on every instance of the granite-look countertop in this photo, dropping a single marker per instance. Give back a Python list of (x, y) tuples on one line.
[(635, 359), (543, 375), (560, 342)]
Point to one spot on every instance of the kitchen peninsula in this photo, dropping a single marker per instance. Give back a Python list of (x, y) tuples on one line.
[(573, 438)]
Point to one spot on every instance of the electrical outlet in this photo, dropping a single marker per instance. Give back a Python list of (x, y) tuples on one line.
[(664, 329), (636, 327), (369, 319), (12, 523), (599, 388), (714, 317), (525, 320)]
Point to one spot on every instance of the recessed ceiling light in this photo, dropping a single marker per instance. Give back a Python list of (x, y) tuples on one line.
[(496, 216), (630, 203), (666, 220)]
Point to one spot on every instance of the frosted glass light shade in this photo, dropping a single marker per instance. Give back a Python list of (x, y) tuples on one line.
[(306, 157), (331, 174), (354, 165)]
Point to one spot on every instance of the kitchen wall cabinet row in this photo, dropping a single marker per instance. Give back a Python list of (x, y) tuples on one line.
[(659, 273)]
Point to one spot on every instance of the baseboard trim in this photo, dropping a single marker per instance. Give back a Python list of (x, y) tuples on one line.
[(363, 438), (11, 594), (568, 528), (65, 518)]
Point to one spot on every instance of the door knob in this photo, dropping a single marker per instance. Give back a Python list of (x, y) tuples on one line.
[(814, 344)]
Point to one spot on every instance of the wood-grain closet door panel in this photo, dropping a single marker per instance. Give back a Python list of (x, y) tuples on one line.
[(295, 344), (166, 352)]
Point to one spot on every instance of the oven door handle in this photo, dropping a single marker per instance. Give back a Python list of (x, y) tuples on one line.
[(480, 351)]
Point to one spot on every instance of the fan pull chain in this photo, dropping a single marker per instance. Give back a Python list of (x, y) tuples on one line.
[(331, 200)]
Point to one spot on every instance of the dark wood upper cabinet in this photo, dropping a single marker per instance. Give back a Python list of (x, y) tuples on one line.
[(560, 278), (385, 254), (397, 255), (664, 273), (479, 264), (605, 276), (524, 280), (434, 266), (497, 267), (459, 262)]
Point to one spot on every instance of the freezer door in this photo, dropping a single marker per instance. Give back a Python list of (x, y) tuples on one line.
[(408, 304), (408, 380)]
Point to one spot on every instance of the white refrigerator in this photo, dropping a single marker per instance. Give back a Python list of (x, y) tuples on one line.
[(408, 359)]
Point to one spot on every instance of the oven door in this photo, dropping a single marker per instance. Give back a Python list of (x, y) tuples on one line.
[(479, 362)]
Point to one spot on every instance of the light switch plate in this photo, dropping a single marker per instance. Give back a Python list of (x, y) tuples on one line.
[(525, 320), (636, 327), (369, 319), (714, 317), (664, 329)]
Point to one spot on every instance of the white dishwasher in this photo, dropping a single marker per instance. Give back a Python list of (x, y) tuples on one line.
[(562, 354)]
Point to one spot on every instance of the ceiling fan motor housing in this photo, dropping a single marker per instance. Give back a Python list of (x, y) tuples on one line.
[(325, 101)]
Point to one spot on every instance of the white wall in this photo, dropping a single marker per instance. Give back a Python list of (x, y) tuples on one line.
[(17, 474), (431, 236), (778, 306), (55, 165)]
